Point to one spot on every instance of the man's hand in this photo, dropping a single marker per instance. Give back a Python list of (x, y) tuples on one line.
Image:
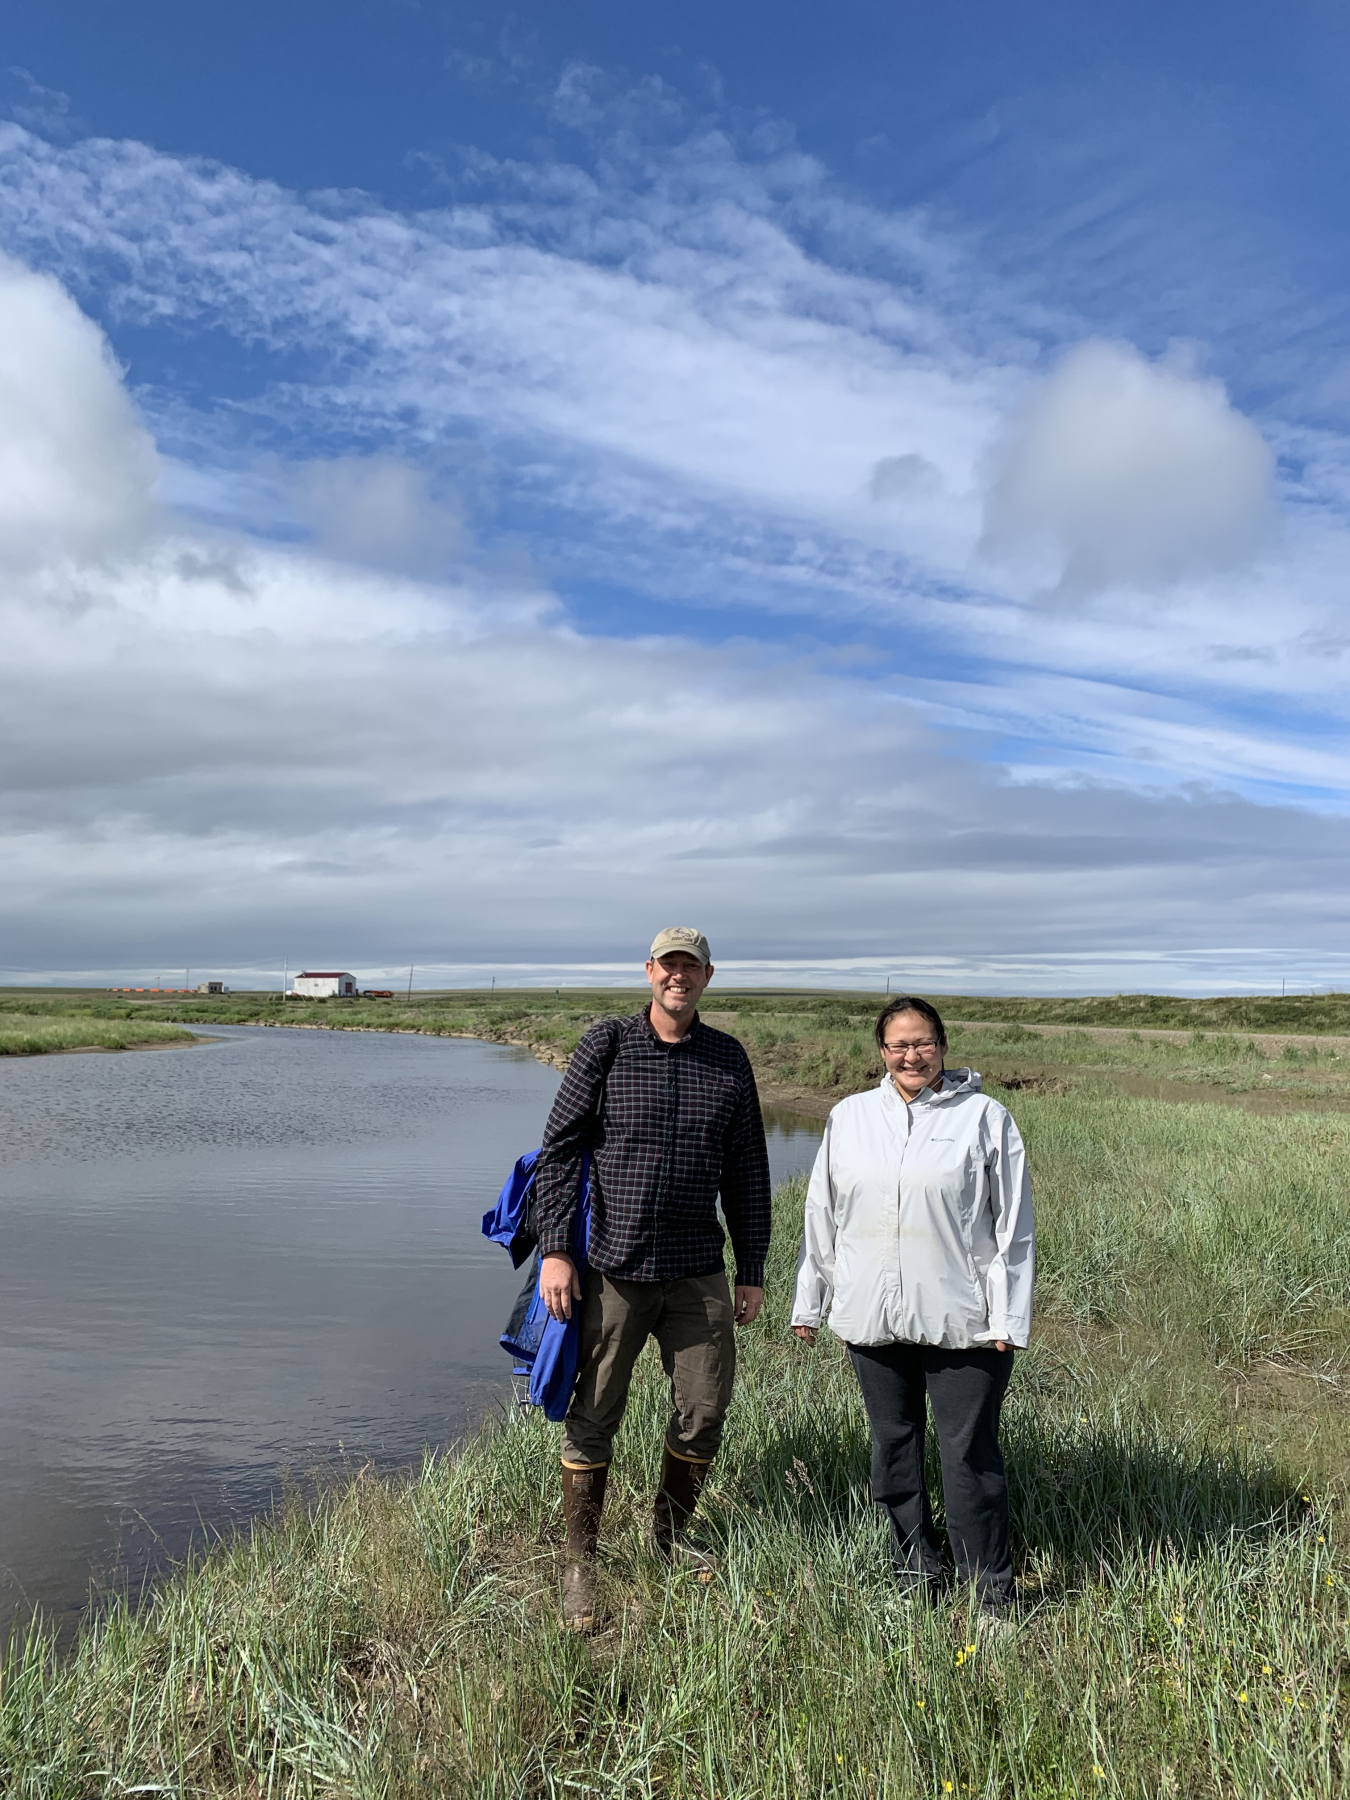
[(807, 1333), (559, 1285), (748, 1302)]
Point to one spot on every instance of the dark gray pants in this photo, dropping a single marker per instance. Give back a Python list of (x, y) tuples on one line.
[(967, 1389)]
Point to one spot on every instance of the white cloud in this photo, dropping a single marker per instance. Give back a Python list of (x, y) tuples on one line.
[(908, 480), (1128, 472), (379, 510), (238, 766), (77, 470)]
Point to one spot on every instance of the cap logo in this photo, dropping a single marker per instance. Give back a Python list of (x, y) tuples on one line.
[(681, 938)]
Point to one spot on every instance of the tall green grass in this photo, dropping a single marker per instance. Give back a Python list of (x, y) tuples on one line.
[(36, 1034), (1222, 1059), (1225, 1228), (1185, 1631)]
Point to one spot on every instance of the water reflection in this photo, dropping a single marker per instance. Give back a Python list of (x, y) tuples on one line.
[(793, 1140), (258, 1254)]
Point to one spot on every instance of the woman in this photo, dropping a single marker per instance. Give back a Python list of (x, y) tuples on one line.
[(918, 1226)]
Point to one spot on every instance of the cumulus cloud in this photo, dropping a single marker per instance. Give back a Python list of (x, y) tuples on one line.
[(904, 480), (77, 469), (1129, 472), (379, 510)]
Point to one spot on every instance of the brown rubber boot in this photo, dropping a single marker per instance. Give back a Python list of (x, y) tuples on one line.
[(583, 1497), (676, 1497)]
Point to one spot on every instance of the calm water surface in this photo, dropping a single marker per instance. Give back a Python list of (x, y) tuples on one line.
[(250, 1259)]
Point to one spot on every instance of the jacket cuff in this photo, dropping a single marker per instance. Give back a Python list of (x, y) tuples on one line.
[(1006, 1334), (750, 1275), (556, 1243)]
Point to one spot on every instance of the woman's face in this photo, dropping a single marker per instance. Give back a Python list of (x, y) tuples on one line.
[(911, 1052)]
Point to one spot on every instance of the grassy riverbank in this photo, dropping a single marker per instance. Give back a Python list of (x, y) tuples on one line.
[(1178, 1452), (42, 1034)]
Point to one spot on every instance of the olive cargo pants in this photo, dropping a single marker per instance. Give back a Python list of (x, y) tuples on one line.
[(692, 1322)]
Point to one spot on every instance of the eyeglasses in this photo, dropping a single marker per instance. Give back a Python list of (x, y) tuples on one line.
[(924, 1047)]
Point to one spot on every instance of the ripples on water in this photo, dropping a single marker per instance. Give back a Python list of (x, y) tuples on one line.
[(257, 1255)]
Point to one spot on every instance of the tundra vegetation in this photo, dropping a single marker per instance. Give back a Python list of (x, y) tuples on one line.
[(25, 1032), (1177, 1449)]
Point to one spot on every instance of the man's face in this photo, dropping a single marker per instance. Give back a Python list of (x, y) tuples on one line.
[(677, 981)]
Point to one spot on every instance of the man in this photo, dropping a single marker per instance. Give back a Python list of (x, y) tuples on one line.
[(667, 1108)]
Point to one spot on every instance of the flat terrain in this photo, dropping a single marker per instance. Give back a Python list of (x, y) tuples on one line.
[(811, 1048), (39, 1033), (1178, 1448)]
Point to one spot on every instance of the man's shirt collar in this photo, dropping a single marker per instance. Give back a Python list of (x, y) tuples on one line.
[(646, 1017)]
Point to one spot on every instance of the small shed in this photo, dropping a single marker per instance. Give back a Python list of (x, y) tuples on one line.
[(324, 984), (212, 987)]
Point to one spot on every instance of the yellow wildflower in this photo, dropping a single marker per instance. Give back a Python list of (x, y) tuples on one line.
[(1177, 1619), (1099, 1771), (922, 1704), (947, 1787), (1265, 1668), (1242, 1698)]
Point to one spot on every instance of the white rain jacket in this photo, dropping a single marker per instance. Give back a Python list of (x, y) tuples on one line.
[(918, 1221)]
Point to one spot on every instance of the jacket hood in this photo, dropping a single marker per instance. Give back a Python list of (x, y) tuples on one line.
[(955, 1083), (960, 1081)]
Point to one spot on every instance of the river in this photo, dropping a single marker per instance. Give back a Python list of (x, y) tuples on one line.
[(252, 1260)]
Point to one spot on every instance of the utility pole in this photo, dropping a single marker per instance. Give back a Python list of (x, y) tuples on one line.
[(285, 976), (410, 976), (493, 988)]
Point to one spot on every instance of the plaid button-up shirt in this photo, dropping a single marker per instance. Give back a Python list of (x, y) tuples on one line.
[(668, 1126)]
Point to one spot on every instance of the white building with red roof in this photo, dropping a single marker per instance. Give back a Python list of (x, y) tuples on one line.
[(324, 984)]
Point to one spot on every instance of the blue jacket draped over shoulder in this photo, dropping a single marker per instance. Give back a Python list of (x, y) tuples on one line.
[(545, 1348)]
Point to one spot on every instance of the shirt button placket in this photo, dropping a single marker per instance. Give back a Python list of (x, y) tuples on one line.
[(672, 1098), (663, 1173)]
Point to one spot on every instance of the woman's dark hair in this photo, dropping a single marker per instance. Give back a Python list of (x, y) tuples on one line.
[(903, 1003)]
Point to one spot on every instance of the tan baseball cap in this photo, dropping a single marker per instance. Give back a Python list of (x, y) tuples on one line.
[(681, 937)]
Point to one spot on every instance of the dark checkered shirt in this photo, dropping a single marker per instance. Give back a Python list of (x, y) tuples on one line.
[(668, 1126)]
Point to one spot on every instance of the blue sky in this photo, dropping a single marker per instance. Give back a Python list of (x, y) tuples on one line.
[(875, 485)]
